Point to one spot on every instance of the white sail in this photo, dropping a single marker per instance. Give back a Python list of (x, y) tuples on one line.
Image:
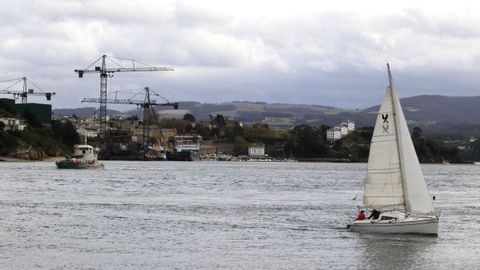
[(384, 185), (417, 197), (394, 176)]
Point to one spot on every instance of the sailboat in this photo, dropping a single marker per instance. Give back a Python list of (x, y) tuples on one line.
[(395, 189)]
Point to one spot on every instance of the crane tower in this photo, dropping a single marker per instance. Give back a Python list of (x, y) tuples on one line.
[(25, 91), (146, 104), (106, 72)]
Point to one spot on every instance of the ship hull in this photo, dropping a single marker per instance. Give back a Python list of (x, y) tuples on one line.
[(183, 156), (70, 164), (414, 226)]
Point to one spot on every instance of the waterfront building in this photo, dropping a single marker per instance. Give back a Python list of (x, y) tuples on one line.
[(350, 126), (343, 130), (86, 132), (256, 151), (10, 123), (340, 131), (334, 134)]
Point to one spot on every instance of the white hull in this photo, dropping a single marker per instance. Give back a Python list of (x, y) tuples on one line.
[(419, 226)]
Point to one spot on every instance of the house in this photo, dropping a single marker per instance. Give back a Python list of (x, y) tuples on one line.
[(256, 150), (350, 126), (12, 123), (341, 131), (85, 132), (334, 134)]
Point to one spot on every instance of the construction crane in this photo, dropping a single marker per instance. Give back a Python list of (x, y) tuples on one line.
[(146, 104), (106, 72), (12, 89)]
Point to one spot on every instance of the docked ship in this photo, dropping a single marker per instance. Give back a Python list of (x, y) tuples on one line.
[(187, 148), (84, 157)]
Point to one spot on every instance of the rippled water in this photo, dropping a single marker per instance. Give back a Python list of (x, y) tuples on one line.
[(221, 215)]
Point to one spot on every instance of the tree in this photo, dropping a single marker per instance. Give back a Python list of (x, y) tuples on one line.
[(189, 117), (308, 142), (219, 120), (31, 119), (240, 146), (65, 132), (232, 131), (417, 133)]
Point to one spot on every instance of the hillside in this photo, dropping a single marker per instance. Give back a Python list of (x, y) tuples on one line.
[(84, 112), (448, 117)]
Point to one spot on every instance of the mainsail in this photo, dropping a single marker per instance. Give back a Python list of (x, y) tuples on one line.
[(394, 176)]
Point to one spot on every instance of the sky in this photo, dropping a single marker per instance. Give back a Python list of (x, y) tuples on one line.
[(330, 53)]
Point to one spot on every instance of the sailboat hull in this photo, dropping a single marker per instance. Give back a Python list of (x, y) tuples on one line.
[(413, 226)]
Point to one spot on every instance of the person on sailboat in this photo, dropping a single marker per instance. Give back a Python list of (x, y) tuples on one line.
[(361, 215), (374, 215)]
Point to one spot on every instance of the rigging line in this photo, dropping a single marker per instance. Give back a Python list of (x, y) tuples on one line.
[(36, 86), (133, 60), (12, 85), (148, 65), (156, 94), (139, 93), (115, 62), (122, 58), (10, 80), (126, 91), (110, 58), (93, 63)]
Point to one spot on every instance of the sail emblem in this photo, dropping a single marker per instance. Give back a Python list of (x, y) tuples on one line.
[(385, 123)]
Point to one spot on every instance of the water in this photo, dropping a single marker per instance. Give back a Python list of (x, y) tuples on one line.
[(221, 215)]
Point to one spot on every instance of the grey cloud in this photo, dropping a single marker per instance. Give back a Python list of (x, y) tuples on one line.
[(329, 58)]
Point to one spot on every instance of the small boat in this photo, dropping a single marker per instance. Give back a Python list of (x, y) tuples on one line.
[(84, 157), (395, 189)]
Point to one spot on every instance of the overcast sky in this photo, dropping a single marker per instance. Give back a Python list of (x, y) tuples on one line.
[(312, 52)]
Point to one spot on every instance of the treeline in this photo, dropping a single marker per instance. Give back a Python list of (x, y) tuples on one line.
[(36, 141), (303, 141)]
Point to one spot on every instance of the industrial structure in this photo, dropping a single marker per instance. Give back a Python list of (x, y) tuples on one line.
[(106, 72), (19, 88), (23, 88), (147, 105)]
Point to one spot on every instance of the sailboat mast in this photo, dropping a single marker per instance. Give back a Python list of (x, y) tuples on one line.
[(397, 131)]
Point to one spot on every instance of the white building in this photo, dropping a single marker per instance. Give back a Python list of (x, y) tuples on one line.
[(84, 132), (256, 150), (350, 126), (334, 134), (341, 131), (12, 123)]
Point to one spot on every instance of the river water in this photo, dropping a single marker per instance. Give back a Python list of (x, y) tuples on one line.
[(221, 215)]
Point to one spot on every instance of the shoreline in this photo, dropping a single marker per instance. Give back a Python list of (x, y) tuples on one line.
[(14, 159)]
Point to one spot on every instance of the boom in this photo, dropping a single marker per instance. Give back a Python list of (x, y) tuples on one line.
[(146, 104), (25, 92), (108, 72)]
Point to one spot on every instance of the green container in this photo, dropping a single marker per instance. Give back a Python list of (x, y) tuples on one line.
[(43, 112)]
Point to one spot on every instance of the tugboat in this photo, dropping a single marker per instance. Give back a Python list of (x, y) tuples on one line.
[(187, 148), (84, 157)]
